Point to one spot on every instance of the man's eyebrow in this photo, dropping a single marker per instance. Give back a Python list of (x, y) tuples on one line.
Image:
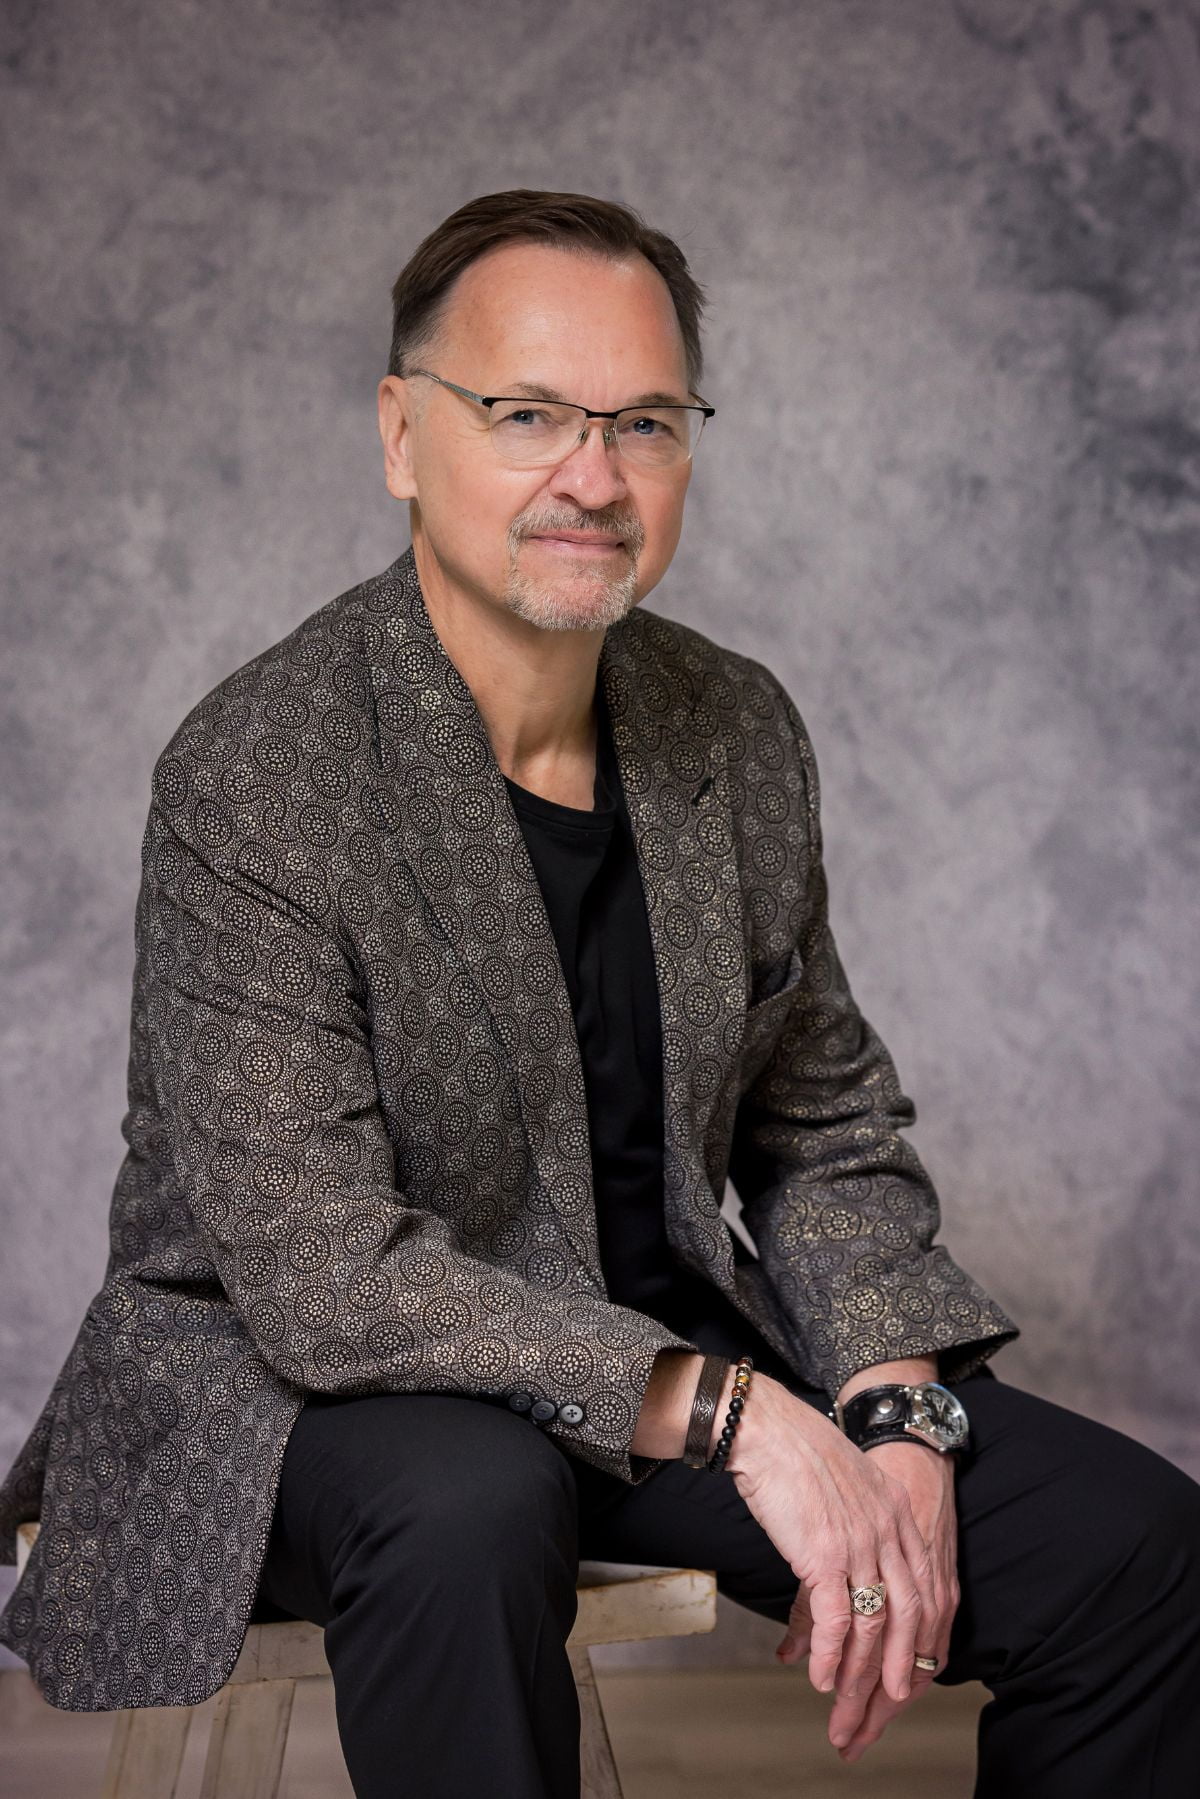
[(538, 390)]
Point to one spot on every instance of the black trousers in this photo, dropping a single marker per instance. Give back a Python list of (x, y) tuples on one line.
[(437, 1540)]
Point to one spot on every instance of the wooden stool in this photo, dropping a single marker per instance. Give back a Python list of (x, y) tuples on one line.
[(250, 1724)]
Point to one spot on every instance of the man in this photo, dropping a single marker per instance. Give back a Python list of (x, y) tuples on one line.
[(482, 933)]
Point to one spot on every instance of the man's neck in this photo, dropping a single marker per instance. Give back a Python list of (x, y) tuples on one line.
[(535, 689)]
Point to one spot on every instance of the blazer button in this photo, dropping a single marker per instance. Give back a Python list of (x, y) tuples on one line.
[(520, 1402), (570, 1413), (543, 1411)]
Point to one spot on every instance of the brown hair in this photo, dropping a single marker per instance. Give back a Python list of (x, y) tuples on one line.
[(524, 214)]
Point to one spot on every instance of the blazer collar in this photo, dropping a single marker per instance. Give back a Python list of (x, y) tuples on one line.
[(442, 794)]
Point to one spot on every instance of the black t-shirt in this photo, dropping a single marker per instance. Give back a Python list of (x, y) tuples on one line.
[(586, 865)]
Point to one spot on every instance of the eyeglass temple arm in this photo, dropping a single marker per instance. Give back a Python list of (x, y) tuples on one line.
[(453, 386)]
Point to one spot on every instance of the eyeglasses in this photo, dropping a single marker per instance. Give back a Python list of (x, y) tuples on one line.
[(535, 433)]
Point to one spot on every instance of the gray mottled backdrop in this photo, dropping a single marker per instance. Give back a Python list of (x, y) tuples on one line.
[(951, 497)]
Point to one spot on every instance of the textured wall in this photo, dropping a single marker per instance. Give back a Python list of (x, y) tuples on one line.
[(951, 496)]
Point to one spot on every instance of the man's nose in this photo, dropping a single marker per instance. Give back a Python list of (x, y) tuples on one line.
[(592, 474)]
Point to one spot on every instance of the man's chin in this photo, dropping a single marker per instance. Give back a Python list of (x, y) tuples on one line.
[(583, 600)]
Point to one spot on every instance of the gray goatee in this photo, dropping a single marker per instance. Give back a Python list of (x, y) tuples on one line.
[(588, 598)]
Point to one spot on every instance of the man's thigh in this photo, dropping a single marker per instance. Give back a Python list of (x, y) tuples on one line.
[(427, 1486)]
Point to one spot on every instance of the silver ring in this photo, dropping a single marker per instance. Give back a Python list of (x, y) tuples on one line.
[(867, 1600), (928, 1662)]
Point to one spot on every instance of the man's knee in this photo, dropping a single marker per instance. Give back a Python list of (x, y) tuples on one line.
[(1133, 1533), (1068, 1527), (1159, 1520), (1134, 1507)]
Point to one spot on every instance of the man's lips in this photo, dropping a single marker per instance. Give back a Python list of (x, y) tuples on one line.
[(577, 540)]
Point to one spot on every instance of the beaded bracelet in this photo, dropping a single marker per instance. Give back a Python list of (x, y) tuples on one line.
[(741, 1387)]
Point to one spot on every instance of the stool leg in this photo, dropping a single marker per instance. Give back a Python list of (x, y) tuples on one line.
[(249, 1736), (598, 1769), (146, 1752)]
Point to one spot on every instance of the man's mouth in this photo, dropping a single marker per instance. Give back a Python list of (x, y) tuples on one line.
[(576, 541)]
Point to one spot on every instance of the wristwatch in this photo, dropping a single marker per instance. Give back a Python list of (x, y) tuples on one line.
[(926, 1413)]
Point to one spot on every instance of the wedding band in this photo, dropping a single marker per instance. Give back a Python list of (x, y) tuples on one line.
[(866, 1600), (926, 1661)]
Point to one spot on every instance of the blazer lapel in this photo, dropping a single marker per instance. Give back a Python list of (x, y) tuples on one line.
[(671, 755), (443, 796)]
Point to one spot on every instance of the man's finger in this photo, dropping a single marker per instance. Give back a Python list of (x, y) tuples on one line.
[(858, 1671), (920, 1563), (902, 1613), (850, 1705), (877, 1715), (829, 1602), (798, 1639)]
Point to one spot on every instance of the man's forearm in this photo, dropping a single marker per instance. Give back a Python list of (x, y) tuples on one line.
[(667, 1405)]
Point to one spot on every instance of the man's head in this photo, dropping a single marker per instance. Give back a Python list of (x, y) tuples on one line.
[(554, 297)]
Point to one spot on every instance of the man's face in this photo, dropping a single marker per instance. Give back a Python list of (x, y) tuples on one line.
[(571, 546)]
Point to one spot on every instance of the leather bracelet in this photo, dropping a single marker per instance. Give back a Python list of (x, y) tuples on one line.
[(741, 1388), (713, 1370)]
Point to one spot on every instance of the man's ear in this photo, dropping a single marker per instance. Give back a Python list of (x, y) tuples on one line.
[(395, 429)]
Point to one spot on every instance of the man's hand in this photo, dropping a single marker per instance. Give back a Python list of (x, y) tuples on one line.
[(863, 1707), (840, 1519)]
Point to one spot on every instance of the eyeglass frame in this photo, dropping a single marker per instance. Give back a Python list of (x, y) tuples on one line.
[(490, 400)]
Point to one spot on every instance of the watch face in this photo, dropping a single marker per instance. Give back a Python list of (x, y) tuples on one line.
[(935, 1408)]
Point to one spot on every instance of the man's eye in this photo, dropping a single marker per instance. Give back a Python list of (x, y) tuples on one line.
[(659, 428), (527, 416)]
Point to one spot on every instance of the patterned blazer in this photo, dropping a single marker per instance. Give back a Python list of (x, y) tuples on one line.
[(357, 1134)]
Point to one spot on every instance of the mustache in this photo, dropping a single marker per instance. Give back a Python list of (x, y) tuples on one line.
[(608, 521)]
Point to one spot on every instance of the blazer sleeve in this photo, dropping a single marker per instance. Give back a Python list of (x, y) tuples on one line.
[(840, 1208), (260, 1061)]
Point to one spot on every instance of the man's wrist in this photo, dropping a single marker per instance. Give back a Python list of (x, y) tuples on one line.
[(909, 1372), (910, 1407), (909, 1448), (662, 1423)]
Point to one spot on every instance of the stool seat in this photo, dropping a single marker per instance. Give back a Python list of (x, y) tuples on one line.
[(617, 1603)]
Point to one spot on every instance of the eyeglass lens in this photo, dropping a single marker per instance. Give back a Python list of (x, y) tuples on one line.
[(527, 433)]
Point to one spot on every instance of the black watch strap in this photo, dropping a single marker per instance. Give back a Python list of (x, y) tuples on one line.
[(876, 1413), (879, 1415)]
